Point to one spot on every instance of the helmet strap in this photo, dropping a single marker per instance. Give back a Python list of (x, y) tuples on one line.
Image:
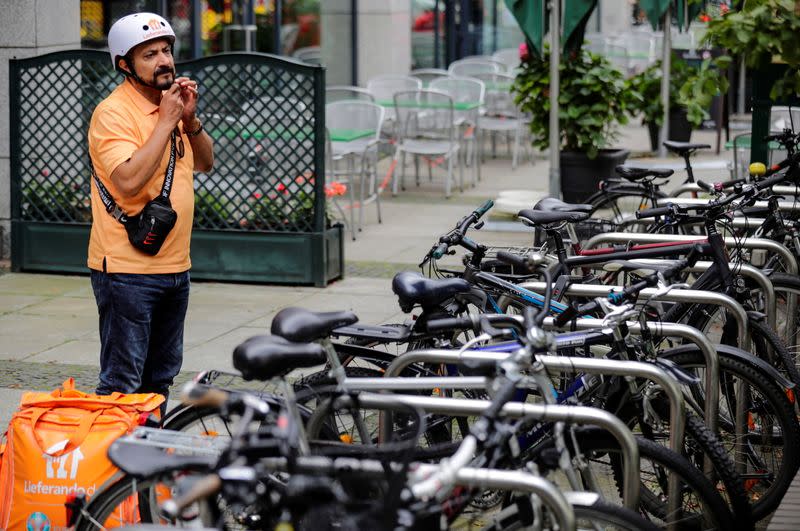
[(132, 73)]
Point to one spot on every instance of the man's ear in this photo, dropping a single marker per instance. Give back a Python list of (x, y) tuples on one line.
[(122, 63)]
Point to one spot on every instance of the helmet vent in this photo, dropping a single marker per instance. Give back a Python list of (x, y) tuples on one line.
[(145, 27)]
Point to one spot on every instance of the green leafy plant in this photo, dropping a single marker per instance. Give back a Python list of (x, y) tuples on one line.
[(701, 85), (690, 88), (211, 210), (763, 31), (593, 100), (55, 200), (286, 208)]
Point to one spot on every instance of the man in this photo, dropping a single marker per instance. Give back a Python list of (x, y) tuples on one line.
[(147, 120)]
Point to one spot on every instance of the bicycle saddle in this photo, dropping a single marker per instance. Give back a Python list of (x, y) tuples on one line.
[(300, 325), (639, 174), (265, 357), (413, 288), (140, 461), (545, 217), (684, 148), (551, 204)]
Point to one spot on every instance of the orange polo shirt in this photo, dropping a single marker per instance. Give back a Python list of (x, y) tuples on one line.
[(120, 125)]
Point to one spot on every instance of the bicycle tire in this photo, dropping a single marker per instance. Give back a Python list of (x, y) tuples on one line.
[(784, 285), (99, 512), (656, 462), (766, 342), (591, 513), (438, 427), (609, 516), (608, 201), (772, 404), (699, 443)]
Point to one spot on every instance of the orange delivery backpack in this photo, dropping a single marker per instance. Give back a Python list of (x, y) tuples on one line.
[(56, 447)]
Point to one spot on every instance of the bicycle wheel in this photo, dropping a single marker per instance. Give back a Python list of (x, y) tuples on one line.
[(617, 208), (767, 345), (699, 443), (591, 514), (127, 501), (768, 448), (787, 286), (209, 421), (599, 462)]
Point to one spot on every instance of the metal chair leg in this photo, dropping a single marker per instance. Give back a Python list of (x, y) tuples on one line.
[(396, 175), (461, 172)]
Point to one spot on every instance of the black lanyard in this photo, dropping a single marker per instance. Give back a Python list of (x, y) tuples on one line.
[(105, 196)]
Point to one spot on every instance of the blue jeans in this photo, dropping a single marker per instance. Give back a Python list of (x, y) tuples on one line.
[(141, 330)]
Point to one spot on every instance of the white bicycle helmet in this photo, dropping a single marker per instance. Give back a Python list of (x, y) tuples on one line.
[(132, 30)]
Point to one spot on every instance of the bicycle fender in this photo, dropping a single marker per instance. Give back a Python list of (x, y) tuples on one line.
[(740, 355)]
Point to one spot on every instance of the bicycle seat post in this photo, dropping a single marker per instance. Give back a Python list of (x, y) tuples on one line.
[(689, 172)]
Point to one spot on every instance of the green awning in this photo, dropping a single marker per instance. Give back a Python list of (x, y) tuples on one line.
[(533, 21), (655, 9)]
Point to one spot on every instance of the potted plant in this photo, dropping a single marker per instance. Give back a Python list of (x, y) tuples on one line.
[(688, 99), (593, 100), (764, 32)]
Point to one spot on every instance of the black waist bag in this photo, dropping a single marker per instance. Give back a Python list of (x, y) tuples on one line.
[(148, 230)]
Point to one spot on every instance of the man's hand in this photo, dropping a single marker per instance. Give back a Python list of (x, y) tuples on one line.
[(189, 97), (172, 107)]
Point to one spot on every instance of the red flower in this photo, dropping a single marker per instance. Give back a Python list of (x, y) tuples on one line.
[(335, 189), (524, 54), (257, 195), (282, 188)]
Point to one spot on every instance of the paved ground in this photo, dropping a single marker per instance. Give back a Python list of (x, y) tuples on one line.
[(48, 323)]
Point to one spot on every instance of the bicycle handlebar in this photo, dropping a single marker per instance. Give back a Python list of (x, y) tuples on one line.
[(705, 186), (456, 236), (653, 212), (439, 250)]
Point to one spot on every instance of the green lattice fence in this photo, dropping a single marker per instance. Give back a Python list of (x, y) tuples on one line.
[(254, 213)]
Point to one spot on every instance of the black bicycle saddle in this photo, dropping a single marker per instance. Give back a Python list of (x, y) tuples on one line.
[(638, 174), (413, 288), (546, 217), (552, 204), (140, 460), (300, 325), (684, 148), (265, 357)]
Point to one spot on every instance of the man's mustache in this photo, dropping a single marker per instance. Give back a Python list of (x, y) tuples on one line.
[(164, 70)]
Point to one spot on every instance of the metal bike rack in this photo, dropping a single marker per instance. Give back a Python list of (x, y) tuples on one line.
[(746, 270), (547, 413), (747, 243), (692, 335), (561, 363), (778, 189), (783, 206), (558, 363), (747, 223), (676, 295), (763, 244), (557, 500), (782, 189), (684, 188)]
